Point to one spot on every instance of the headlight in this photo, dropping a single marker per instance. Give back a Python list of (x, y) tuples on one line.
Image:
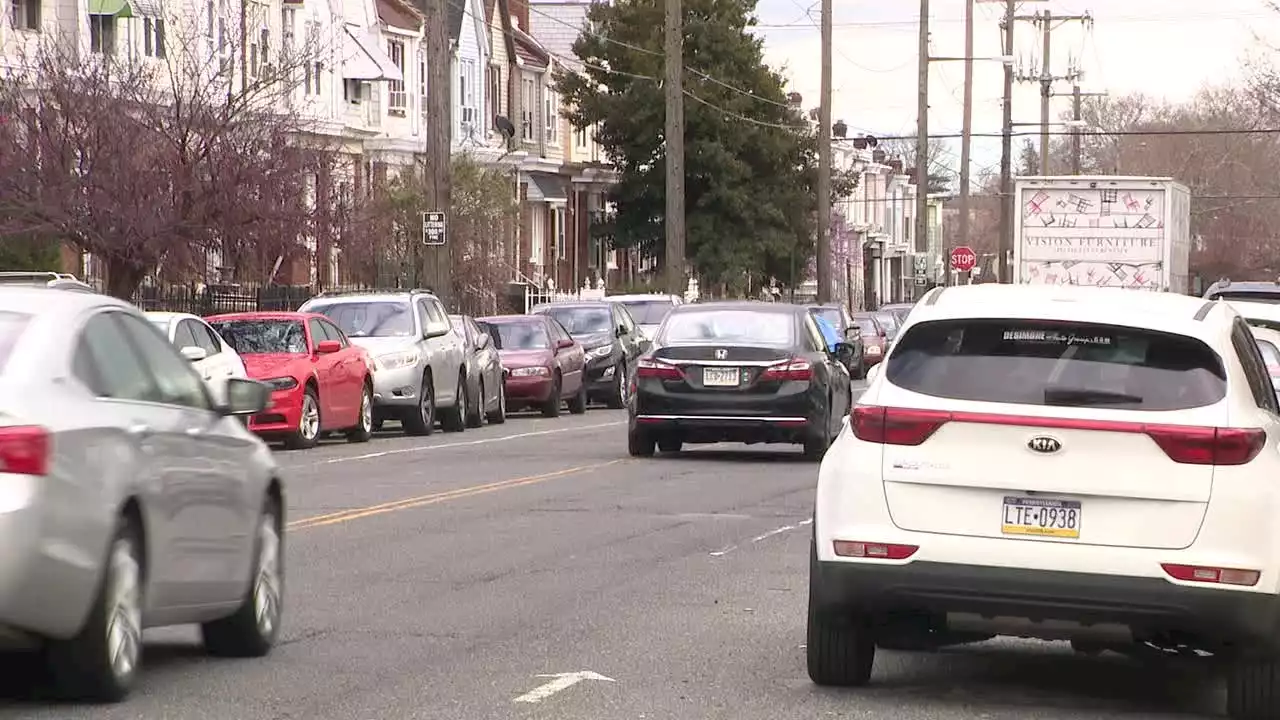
[(530, 372), (282, 383), (397, 360), (597, 353)]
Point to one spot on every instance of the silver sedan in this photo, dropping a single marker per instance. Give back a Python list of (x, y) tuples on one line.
[(128, 497)]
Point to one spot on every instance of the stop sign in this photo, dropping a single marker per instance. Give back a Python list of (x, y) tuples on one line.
[(963, 259)]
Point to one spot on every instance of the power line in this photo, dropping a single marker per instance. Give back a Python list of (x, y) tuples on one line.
[(1191, 17)]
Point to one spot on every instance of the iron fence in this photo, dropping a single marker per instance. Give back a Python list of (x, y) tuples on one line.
[(215, 299)]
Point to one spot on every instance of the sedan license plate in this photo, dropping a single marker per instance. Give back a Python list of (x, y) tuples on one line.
[(1041, 516), (720, 377)]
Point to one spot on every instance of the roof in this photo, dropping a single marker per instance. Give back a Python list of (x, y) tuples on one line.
[(571, 304), (399, 14), (169, 316), (556, 25), (530, 51), (1161, 311), (1244, 286), (502, 319), (37, 300), (751, 305), (265, 315), (1255, 310)]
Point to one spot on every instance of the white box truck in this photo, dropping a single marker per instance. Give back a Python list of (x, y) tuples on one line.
[(1103, 230)]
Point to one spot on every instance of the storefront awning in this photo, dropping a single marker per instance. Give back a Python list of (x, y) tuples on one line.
[(111, 8), (543, 187), (364, 59)]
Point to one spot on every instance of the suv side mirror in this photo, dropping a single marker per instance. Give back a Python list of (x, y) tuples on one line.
[(194, 353), (246, 397), (434, 331)]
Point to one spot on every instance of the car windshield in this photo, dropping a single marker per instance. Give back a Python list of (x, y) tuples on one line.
[(369, 319), (1270, 298), (522, 336), (581, 321), (1057, 363), (745, 327), (648, 312), (259, 337), (867, 326), (889, 322), (831, 315), (11, 326), (1271, 356)]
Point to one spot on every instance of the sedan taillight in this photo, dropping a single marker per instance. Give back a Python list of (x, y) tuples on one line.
[(650, 368)]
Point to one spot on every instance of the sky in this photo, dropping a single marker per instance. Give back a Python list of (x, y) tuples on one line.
[(1165, 48)]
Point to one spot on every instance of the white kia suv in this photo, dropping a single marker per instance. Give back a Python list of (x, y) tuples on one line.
[(1086, 464)]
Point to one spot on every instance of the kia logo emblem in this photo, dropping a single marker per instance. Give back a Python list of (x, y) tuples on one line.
[(722, 354), (1044, 444)]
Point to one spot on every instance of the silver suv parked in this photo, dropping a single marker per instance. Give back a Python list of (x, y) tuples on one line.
[(420, 370)]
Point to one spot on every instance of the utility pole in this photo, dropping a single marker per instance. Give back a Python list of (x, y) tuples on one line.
[(824, 163), (922, 137), (1046, 89), (1006, 152), (1076, 97), (966, 136), (438, 166), (673, 137)]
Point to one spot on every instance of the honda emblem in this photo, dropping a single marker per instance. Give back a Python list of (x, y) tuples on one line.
[(722, 354)]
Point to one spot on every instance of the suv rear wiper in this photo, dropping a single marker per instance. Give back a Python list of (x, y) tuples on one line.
[(1085, 396)]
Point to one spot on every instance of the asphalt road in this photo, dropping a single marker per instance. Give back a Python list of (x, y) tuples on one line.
[(445, 577)]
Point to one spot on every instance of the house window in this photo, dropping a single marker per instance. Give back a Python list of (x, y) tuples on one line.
[(288, 24), (422, 83), (557, 232), (25, 14), (580, 138), (495, 88), (537, 235), (211, 18), (153, 37), (551, 111), (102, 34), (528, 103), (467, 92), (397, 98), (314, 69)]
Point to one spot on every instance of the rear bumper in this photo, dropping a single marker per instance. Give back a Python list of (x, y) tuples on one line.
[(1151, 607), (726, 428)]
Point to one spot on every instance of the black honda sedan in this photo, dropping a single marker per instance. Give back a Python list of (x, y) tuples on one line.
[(738, 372)]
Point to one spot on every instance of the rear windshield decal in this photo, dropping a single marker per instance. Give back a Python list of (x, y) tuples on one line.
[(1055, 337)]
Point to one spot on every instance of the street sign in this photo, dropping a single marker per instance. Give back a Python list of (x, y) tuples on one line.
[(963, 259), (434, 228)]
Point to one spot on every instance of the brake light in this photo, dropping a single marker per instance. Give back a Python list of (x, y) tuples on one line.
[(797, 369), (1215, 575), (649, 368), (874, 551), (24, 450), (1185, 444), (895, 426)]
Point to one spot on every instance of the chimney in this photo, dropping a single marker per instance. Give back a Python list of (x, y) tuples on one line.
[(520, 14)]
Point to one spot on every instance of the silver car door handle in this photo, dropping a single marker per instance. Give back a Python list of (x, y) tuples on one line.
[(140, 430), (195, 431)]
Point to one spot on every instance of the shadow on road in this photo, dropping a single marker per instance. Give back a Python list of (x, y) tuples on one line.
[(783, 454), (24, 678), (1014, 674)]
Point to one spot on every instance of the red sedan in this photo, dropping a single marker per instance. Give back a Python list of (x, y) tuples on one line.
[(321, 382), (543, 363)]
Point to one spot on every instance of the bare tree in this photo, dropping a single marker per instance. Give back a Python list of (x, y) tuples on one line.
[(942, 162), (482, 215), (159, 165)]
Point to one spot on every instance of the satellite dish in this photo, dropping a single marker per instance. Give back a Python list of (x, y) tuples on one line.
[(504, 126)]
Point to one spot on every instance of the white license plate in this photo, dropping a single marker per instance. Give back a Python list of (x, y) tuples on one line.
[(1044, 517), (720, 377)]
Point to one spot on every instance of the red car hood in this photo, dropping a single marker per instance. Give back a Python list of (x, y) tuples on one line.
[(272, 365), (524, 358)]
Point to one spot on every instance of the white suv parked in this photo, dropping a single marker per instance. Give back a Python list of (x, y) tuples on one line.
[(1085, 464)]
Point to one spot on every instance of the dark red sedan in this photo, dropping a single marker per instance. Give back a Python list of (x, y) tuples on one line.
[(543, 363)]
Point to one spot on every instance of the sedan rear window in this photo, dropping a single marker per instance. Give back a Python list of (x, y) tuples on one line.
[(1062, 364), (743, 327), (11, 326), (648, 312), (1271, 356), (522, 336)]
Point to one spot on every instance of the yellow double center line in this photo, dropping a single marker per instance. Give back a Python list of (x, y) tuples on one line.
[(343, 516)]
